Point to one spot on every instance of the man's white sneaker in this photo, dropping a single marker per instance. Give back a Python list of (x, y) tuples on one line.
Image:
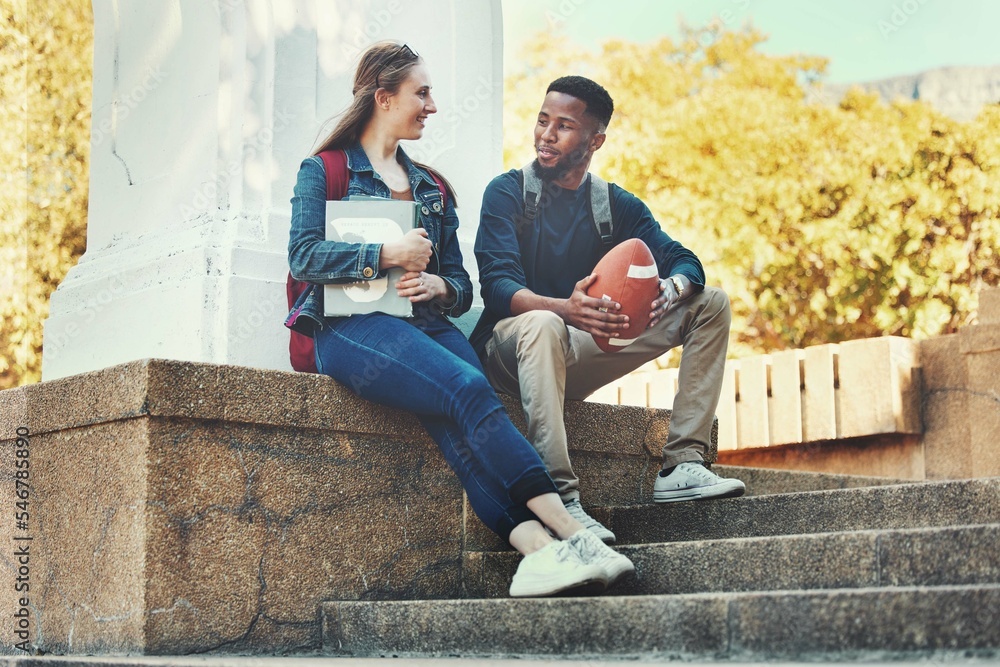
[(592, 550), (555, 568), (576, 511), (693, 481)]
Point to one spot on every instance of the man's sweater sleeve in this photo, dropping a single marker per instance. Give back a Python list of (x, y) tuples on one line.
[(671, 257), (497, 252)]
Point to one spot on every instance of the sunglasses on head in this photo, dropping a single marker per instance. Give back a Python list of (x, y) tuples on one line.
[(399, 51)]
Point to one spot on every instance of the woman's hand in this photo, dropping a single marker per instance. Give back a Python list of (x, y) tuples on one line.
[(412, 252), (420, 286)]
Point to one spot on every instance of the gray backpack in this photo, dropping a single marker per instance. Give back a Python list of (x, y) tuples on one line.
[(600, 203)]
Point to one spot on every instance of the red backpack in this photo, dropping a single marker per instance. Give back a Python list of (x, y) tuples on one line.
[(301, 348)]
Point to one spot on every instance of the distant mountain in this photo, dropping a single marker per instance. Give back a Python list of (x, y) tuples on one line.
[(959, 92)]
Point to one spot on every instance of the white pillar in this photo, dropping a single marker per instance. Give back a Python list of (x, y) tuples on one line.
[(203, 110)]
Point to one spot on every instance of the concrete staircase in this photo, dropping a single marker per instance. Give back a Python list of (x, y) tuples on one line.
[(894, 571), (184, 508)]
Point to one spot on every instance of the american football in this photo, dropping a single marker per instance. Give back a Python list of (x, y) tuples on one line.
[(627, 275)]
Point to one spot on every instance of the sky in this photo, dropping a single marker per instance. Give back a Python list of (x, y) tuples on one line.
[(865, 40)]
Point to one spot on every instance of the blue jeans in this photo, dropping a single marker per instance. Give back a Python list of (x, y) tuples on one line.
[(425, 365)]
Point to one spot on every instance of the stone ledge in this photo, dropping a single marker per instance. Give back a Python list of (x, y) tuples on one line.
[(166, 388), (188, 507)]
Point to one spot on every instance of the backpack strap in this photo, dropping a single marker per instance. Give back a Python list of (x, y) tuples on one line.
[(531, 191), (600, 202), (337, 175), (600, 209)]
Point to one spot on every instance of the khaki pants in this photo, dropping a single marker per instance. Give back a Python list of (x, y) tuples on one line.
[(541, 359)]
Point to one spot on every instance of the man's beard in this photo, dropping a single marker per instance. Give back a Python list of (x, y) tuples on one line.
[(561, 168)]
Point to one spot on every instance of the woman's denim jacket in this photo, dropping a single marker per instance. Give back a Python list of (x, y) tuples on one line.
[(313, 259)]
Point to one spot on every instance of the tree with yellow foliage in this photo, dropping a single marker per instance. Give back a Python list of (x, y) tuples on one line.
[(823, 222), (45, 99)]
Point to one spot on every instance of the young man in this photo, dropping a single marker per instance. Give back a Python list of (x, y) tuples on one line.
[(535, 335)]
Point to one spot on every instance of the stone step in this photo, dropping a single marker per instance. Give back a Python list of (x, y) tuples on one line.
[(856, 624), (599, 484), (954, 555), (770, 481), (911, 505)]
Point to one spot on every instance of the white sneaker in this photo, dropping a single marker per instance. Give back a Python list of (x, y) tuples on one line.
[(592, 550), (555, 568), (691, 480), (576, 511)]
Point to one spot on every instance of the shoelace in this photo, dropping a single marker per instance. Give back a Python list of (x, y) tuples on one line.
[(564, 554), (700, 472), (576, 511), (589, 549)]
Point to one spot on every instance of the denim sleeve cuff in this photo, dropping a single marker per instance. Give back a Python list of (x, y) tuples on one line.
[(368, 259), (445, 306)]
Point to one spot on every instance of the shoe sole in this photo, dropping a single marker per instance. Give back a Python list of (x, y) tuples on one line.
[(594, 584), (700, 493), (619, 573)]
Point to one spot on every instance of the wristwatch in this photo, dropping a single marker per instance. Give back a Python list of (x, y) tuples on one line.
[(678, 285)]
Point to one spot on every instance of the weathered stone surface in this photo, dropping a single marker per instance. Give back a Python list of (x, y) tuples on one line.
[(13, 412), (101, 396), (870, 624), (940, 556), (947, 444), (192, 507), (907, 557), (838, 624), (665, 626), (891, 456), (281, 520), (157, 531), (989, 306), (87, 524), (770, 481), (980, 338), (984, 410), (964, 502)]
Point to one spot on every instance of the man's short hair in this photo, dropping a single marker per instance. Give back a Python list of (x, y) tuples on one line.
[(598, 101)]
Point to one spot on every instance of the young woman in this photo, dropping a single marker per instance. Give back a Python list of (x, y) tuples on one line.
[(424, 363)]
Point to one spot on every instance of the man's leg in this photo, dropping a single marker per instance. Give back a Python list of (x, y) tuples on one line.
[(527, 357), (537, 357), (701, 325)]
